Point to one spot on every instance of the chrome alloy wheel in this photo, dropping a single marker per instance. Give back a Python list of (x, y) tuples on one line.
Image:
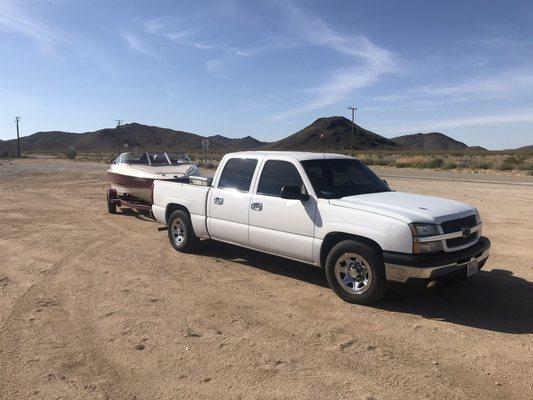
[(353, 273), (177, 229)]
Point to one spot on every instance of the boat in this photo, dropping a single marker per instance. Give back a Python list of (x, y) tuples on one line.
[(131, 174)]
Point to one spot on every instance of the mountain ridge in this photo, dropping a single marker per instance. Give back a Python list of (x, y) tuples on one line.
[(330, 133)]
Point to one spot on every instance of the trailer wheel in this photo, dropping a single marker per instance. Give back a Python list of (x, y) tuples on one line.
[(180, 232), (111, 207), (356, 273)]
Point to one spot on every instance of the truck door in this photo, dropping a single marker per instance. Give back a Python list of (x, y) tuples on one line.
[(277, 225), (229, 202)]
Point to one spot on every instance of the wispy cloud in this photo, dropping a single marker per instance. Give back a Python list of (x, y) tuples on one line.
[(164, 28), (365, 62), (504, 118), (483, 120), (216, 68), (503, 85), (136, 44), (371, 62), (15, 19), (53, 42), (513, 83)]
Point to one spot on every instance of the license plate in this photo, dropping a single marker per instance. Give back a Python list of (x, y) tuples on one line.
[(471, 267)]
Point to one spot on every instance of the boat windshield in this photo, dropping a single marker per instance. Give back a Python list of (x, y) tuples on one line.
[(179, 158), (154, 159)]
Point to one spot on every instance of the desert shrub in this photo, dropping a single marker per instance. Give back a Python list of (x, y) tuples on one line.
[(70, 154), (510, 163), (402, 164), (369, 160), (478, 164), (525, 166), (375, 160), (434, 162), (449, 165)]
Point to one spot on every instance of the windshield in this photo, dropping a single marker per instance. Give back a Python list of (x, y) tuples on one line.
[(336, 178), (179, 158), (154, 159)]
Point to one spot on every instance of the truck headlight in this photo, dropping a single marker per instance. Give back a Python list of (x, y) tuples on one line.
[(427, 247), (424, 230)]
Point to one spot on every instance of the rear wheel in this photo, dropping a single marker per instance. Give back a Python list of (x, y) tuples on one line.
[(356, 273), (111, 207), (180, 232)]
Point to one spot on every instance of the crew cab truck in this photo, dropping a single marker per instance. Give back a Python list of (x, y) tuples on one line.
[(328, 210)]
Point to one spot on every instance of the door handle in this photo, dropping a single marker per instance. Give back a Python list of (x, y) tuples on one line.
[(218, 201), (256, 206)]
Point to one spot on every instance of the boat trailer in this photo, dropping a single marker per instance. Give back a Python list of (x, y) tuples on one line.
[(114, 201)]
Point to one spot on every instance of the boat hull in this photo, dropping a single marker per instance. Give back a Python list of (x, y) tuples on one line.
[(126, 185)]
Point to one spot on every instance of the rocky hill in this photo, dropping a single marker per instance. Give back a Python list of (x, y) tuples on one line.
[(337, 132), (429, 141)]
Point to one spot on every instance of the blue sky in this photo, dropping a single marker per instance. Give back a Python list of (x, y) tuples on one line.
[(269, 68)]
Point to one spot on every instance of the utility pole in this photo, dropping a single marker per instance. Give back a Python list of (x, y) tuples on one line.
[(119, 124), (17, 119), (354, 109)]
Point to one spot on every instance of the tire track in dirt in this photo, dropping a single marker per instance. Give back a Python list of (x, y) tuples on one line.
[(78, 365), (73, 329)]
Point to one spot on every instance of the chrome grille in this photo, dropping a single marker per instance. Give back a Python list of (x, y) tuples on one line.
[(462, 240), (456, 225)]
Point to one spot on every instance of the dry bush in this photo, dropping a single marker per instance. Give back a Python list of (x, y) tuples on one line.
[(70, 154)]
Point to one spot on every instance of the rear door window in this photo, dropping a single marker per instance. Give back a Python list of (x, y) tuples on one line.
[(238, 174), (277, 174)]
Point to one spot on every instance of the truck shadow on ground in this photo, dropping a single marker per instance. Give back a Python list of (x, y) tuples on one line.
[(494, 300)]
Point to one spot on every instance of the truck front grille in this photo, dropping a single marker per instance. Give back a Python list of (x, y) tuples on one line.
[(456, 225), (462, 240)]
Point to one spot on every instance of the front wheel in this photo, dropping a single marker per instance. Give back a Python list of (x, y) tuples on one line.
[(180, 232), (356, 273)]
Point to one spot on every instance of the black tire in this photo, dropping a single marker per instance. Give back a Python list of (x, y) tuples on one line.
[(111, 208), (187, 240), (365, 263)]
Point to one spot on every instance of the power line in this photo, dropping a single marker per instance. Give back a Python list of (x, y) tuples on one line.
[(354, 109), (17, 120), (119, 122)]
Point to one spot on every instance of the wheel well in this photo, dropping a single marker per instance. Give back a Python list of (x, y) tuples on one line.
[(333, 238), (173, 207)]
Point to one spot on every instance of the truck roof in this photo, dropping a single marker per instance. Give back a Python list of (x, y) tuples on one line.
[(298, 155)]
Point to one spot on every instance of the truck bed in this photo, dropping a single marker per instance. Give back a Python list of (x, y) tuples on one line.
[(192, 195)]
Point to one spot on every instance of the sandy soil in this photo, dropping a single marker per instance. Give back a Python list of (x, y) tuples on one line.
[(99, 306)]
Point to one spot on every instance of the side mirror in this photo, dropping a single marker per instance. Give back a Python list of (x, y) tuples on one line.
[(293, 193), (385, 182)]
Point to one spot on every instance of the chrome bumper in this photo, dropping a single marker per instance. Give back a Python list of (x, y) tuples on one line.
[(401, 273)]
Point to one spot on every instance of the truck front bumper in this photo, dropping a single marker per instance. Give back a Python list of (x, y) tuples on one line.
[(400, 267)]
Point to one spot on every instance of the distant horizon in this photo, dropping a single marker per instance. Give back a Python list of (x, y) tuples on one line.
[(266, 68), (261, 139)]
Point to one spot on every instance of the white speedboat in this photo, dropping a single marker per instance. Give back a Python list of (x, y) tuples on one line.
[(132, 174)]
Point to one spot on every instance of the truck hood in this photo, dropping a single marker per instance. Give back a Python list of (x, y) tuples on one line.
[(407, 207)]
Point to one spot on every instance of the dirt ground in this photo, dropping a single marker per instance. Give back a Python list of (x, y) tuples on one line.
[(99, 306)]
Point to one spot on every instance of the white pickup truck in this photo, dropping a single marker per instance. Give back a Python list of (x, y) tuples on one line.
[(328, 210)]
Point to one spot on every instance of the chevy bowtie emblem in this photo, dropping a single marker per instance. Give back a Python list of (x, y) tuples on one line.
[(466, 232)]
